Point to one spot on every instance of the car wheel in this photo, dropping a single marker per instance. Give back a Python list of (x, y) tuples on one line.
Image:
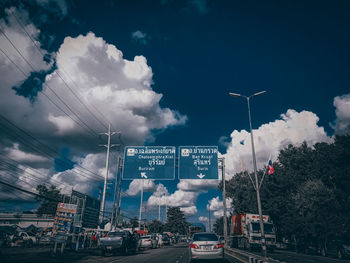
[(339, 254)]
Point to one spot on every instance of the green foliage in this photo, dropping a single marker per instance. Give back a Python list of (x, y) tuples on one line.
[(176, 222), (219, 226), (48, 205), (156, 227), (134, 222), (308, 195)]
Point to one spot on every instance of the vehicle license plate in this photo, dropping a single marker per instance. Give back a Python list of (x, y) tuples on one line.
[(206, 247), (109, 247)]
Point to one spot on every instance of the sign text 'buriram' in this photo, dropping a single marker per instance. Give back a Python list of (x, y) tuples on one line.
[(149, 162)]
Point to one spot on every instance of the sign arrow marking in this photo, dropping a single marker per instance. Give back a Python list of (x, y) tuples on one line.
[(201, 175), (143, 175)]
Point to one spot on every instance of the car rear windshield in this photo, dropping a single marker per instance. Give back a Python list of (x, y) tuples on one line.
[(146, 237), (205, 237), (116, 234)]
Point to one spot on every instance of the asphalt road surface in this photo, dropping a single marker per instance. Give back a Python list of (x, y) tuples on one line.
[(168, 254), (171, 254)]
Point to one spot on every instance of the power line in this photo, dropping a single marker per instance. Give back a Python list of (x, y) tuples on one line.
[(39, 180), (66, 84), (50, 156), (34, 70), (28, 192)]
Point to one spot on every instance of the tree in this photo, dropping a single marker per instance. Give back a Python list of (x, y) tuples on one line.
[(156, 227), (219, 226), (134, 222), (176, 222), (308, 195), (50, 198)]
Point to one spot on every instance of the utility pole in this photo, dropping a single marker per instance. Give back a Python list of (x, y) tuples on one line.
[(140, 216), (119, 198), (158, 210), (102, 209), (114, 211), (209, 219), (224, 198)]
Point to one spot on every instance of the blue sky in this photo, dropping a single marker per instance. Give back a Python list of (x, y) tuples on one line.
[(189, 55)]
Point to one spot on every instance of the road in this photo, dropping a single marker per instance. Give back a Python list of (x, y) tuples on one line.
[(173, 254)]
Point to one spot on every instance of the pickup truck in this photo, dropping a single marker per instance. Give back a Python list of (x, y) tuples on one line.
[(119, 241)]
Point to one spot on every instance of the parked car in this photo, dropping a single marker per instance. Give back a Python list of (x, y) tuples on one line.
[(27, 239), (165, 239), (206, 246), (119, 241), (147, 242), (45, 240), (339, 248)]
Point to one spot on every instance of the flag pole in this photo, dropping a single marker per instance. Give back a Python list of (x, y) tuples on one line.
[(262, 179)]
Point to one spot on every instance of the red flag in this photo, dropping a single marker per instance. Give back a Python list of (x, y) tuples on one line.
[(270, 167)]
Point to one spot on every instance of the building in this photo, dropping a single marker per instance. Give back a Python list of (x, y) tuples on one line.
[(25, 220), (88, 210)]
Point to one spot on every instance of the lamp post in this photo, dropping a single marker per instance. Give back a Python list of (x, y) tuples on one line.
[(263, 243)]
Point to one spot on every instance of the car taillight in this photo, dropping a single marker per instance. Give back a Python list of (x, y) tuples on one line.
[(219, 246), (194, 246), (149, 240)]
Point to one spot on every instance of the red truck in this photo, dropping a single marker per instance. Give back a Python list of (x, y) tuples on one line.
[(246, 234)]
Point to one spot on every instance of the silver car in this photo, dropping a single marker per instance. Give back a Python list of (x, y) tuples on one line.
[(206, 246)]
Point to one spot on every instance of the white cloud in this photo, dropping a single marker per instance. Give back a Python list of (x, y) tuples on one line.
[(119, 88), (293, 128), (136, 186), (342, 111), (203, 219), (197, 185), (140, 37), (189, 211), (16, 154), (217, 206)]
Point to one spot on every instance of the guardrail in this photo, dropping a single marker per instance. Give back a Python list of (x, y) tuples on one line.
[(247, 257)]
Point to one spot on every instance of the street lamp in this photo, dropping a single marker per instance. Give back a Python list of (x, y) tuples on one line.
[(263, 243)]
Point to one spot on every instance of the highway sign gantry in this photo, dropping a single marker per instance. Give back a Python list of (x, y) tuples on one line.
[(149, 162), (198, 162)]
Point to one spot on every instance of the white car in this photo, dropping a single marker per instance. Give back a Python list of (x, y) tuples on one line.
[(146, 242), (206, 246)]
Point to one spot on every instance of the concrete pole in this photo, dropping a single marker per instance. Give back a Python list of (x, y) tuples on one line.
[(159, 211), (224, 199), (102, 209), (140, 216), (263, 242), (119, 199)]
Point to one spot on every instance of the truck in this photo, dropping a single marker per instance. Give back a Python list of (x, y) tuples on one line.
[(246, 234), (196, 228)]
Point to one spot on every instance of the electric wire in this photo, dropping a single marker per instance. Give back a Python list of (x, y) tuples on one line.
[(49, 155), (66, 84), (58, 97)]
